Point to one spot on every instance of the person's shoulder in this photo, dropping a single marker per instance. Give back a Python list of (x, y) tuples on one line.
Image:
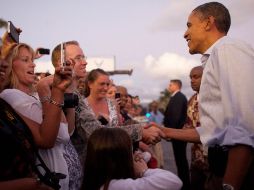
[(11, 94), (229, 42), (182, 95), (193, 96), (10, 91)]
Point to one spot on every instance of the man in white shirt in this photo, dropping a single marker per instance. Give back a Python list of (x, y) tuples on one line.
[(226, 93)]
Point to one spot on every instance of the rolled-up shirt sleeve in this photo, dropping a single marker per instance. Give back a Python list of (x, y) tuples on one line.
[(228, 109)]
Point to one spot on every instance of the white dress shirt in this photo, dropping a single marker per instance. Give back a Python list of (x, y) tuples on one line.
[(227, 94)]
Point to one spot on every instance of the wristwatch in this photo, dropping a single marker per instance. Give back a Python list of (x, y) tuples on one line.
[(227, 187)]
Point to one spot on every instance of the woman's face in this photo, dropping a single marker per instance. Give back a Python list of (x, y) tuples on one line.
[(111, 92), (23, 68), (100, 86)]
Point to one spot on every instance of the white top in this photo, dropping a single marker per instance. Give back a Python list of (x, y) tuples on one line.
[(227, 94), (32, 109), (153, 179)]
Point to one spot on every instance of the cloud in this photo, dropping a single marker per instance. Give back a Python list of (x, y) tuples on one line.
[(168, 65), (153, 75)]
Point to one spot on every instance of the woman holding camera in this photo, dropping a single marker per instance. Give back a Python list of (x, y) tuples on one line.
[(45, 119)]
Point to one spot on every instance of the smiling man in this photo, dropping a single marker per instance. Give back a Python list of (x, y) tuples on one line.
[(225, 99)]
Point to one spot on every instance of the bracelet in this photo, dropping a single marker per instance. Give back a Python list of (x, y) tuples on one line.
[(44, 99), (49, 100), (56, 103)]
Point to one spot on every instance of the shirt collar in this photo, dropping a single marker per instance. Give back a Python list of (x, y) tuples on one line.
[(174, 93), (208, 52)]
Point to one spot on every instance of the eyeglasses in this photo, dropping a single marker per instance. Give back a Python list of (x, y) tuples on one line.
[(80, 58)]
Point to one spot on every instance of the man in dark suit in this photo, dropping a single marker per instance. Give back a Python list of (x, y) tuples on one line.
[(175, 117)]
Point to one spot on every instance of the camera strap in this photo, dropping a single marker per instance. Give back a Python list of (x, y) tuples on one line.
[(13, 124)]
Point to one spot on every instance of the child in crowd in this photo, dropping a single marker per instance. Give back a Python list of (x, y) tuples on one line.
[(110, 164)]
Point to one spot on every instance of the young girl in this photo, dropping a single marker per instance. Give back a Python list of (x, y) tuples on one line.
[(111, 165)]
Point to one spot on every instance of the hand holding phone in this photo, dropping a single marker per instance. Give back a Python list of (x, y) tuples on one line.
[(13, 32), (40, 52), (118, 98), (117, 95), (62, 54)]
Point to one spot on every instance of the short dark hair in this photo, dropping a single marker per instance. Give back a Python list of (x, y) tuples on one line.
[(178, 82), (109, 156), (218, 11)]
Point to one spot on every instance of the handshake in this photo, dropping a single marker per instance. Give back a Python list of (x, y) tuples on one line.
[(152, 134)]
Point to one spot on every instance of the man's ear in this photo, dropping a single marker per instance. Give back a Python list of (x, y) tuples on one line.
[(210, 23)]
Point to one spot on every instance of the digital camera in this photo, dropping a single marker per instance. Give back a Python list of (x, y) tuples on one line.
[(70, 100)]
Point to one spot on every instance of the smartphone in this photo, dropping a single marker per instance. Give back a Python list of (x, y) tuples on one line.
[(12, 32), (103, 120), (44, 51), (62, 54), (117, 95)]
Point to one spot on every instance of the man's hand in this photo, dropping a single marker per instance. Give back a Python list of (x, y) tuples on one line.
[(62, 77), (37, 54), (152, 135)]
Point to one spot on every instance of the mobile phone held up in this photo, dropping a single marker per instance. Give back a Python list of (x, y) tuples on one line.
[(44, 51), (117, 95), (62, 54), (12, 32), (103, 120)]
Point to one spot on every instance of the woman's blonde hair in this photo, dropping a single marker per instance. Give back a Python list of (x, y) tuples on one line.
[(12, 56)]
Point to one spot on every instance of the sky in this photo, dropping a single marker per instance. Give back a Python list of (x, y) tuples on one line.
[(143, 35)]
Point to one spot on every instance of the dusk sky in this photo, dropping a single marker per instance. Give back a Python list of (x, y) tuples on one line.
[(143, 35)]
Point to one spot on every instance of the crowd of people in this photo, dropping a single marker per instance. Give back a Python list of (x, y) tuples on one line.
[(80, 130)]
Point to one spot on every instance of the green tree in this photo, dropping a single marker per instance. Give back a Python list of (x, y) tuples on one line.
[(164, 99)]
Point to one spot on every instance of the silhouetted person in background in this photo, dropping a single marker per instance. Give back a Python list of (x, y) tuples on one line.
[(199, 162), (175, 117)]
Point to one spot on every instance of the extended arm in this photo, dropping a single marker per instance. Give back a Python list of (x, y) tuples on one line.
[(46, 134), (240, 158), (188, 135)]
